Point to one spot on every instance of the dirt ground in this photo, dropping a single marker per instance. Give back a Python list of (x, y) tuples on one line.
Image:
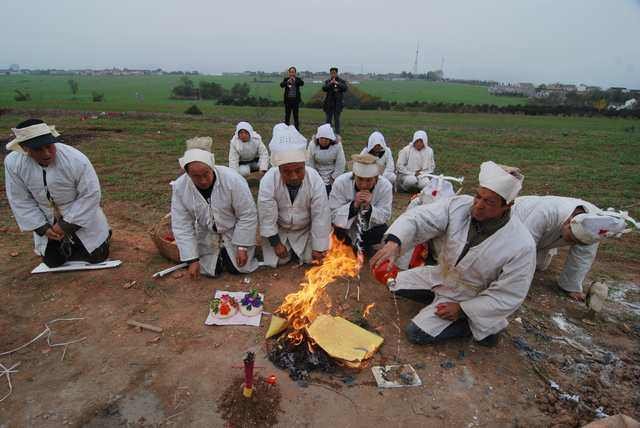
[(120, 376)]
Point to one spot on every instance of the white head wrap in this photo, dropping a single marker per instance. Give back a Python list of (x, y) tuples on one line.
[(197, 155), (374, 139), (203, 143), (365, 166), (420, 135), (246, 126), (325, 131), (590, 228), (287, 145), (506, 181), (29, 132)]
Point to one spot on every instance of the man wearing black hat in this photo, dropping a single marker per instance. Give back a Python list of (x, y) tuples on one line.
[(335, 87), (54, 192)]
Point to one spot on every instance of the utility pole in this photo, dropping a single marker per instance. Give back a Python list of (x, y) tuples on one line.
[(415, 63)]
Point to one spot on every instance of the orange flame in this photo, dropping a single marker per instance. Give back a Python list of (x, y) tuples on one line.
[(366, 311), (298, 307)]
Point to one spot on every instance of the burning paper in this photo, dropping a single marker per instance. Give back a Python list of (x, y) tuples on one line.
[(343, 340)]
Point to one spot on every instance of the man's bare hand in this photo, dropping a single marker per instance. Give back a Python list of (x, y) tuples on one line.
[(362, 198), (389, 252), (241, 257), (281, 250), (194, 270), (53, 235), (317, 256), (449, 311), (580, 297)]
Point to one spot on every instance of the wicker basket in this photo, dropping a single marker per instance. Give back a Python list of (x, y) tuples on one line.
[(158, 232)]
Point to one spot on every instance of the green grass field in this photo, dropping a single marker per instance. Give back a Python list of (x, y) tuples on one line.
[(120, 92)]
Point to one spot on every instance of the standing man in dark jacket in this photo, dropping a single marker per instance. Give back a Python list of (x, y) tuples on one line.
[(292, 85), (335, 87)]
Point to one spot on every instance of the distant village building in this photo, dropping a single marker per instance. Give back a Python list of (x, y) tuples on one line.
[(513, 89)]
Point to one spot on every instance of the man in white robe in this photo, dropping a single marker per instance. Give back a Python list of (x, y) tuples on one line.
[(377, 147), (54, 192), (415, 161), (247, 152), (213, 216), (550, 220), (325, 155), (292, 203), (485, 266), (361, 204)]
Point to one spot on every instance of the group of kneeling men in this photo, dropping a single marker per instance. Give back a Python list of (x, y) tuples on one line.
[(484, 248)]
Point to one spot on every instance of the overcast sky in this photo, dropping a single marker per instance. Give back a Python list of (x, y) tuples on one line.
[(571, 41)]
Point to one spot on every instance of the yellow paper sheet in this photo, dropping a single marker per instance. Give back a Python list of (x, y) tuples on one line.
[(342, 339)]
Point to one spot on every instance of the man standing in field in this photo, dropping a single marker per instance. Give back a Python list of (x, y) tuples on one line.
[(247, 152), (486, 263), (292, 204), (292, 96), (415, 161), (54, 192), (361, 204), (213, 216), (556, 221), (335, 87)]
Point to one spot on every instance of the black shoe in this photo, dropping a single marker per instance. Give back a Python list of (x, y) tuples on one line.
[(490, 341)]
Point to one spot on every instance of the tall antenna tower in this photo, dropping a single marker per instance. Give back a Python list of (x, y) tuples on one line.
[(442, 65), (415, 63)]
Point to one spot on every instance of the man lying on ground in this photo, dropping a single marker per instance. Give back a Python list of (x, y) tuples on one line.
[(292, 203), (54, 192), (213, 216), (485, 266), (361, 194)]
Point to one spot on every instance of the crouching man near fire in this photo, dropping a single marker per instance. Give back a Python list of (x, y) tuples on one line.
[(360, 203), (213, 216), (292, 203), (486, 263), (54, 192)]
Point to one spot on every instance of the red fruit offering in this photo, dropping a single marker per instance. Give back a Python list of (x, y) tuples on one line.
[(382, 273), (224, 309)]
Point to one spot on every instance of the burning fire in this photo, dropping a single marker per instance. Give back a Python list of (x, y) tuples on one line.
[(298, 308), (366, 311)]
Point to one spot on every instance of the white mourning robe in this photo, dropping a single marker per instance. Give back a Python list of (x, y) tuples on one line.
[(329, 162), (343, 193), (253, 149), (303, 225), (231, 210), (490, 282), (544, 216), (73, 186), (412, 161)]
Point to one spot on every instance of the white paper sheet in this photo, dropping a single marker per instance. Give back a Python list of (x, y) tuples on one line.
[(238, 318), (71, 266)]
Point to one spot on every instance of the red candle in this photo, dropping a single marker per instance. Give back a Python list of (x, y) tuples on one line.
[(249, 360)]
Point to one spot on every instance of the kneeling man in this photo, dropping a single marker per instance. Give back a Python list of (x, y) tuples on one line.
[(292, 203), (213, 215), (54, 192), (486, 263), (360, 203)]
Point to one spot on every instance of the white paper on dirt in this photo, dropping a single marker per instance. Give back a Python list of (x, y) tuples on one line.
[(238, 318), (71, 266), (383, 383)]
